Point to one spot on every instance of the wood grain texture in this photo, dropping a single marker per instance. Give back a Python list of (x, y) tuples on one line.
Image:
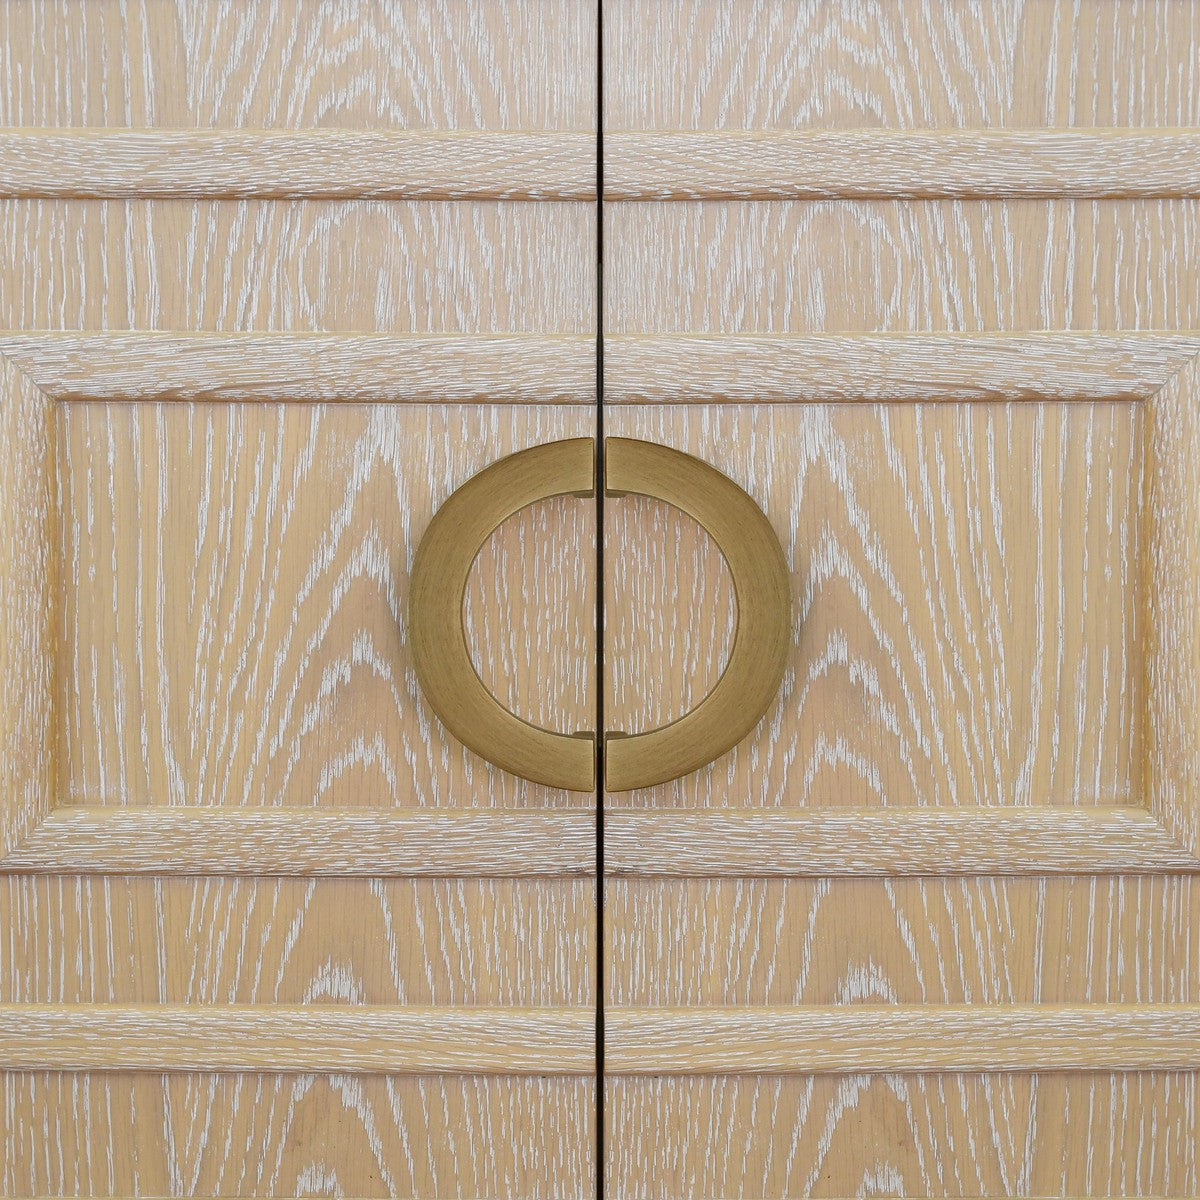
[(1020, 940), (855, 266), (1172, 591), (902, 841), (931, 64), (235, 585), (1047, 1134), (341, 1038), (139, 940), (976, 164), (461, 1137), (925, 669), (277, 64), (28, 605), (892, 368), (395, 267), (307, 368), (326, 164), (215, 840), (873, 1039)]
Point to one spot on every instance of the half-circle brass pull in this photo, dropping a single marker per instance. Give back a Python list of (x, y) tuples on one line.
[(438, 637), (730, 711), (761, 638)]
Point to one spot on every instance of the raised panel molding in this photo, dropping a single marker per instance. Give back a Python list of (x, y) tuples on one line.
[(323, 164), (972, 164)]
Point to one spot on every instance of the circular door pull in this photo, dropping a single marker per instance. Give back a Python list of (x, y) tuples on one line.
[(762, 635), (763, 631), (441, 655)]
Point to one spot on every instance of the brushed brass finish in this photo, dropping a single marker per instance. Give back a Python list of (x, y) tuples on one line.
[(439, 643), (725, 716), (762, 636)]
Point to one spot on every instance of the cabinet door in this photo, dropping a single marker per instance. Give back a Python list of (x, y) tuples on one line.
[(932, 929), (279, 277)]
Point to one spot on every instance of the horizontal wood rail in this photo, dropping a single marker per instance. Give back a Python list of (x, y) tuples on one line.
[(291, 164), (889, 841), (315, 1037), (307, 367), (874, 1039), (891, 368), (912, 164), (168, 840)]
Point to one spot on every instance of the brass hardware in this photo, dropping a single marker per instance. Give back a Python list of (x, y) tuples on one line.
[(762, 637), (439, 641), (727, 714)]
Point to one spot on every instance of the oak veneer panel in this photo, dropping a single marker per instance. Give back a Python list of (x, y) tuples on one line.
[(800, 267), (925, 670), (509, 942), (902, 1135), (1102, 940), (398, 267), (280, 64), (234, 604), (926, 64), (271, 1135), (28, 605)]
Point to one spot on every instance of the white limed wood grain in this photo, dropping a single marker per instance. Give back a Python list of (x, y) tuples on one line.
[(968, 940), (180, 940), (307, 368), (891, 367), (976, 164), (173, 840), (267, 1135), (337, 1038), (1047, 1134), (396, 267), (868, 1039), (1172, 596), (913, 841), (855, 266), (926, 668), (28, 605), (235, 591), (927, 64), (339, 64), (315, 165)]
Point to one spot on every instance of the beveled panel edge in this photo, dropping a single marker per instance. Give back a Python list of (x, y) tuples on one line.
[(972, 164), (273, 1039), (927, 841), (887, 1039), (892, 368), (308, 367), (328, 164), (177, 840)]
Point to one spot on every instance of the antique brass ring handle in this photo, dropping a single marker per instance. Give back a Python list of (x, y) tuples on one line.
[(731, 710), (441, 654)]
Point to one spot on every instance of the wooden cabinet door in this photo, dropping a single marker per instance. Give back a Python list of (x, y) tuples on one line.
[(276, 278), (924, 279)]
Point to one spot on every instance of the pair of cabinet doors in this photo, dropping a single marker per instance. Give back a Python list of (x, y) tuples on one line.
[(922, 277)]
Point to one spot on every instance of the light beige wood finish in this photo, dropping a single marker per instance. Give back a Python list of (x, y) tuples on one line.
[(309, 368), (892, 368), (987, 518), (277, 64), (312, 165), (871, 1039), (341, 1038), (233, 528), (759, 65), (976, 163)]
